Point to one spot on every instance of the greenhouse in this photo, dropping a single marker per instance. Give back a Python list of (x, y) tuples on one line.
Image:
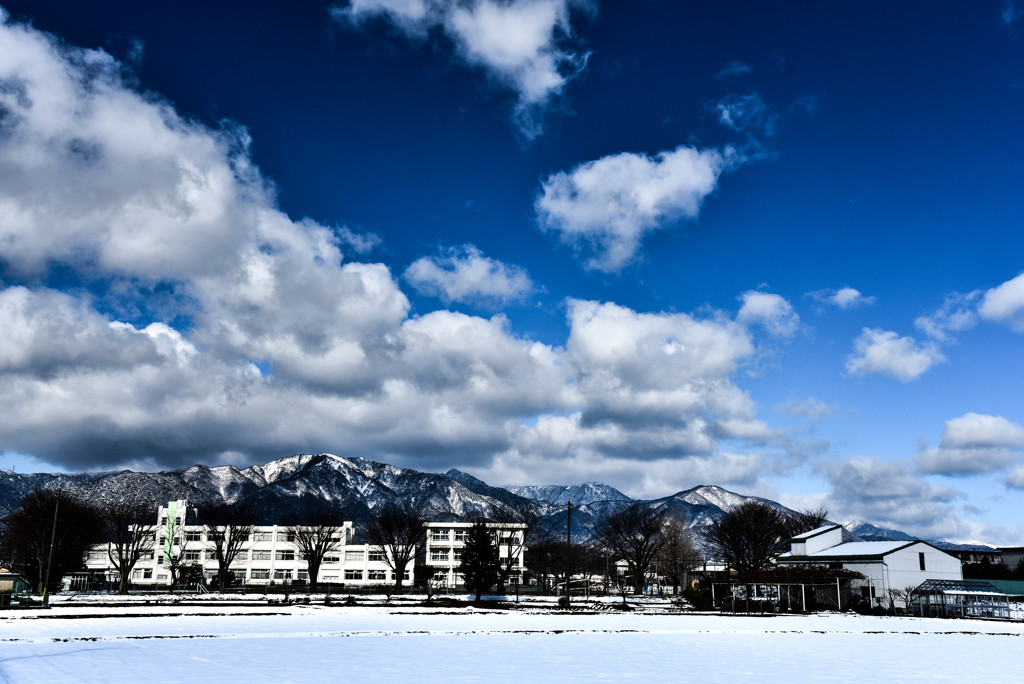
[(959, 598)]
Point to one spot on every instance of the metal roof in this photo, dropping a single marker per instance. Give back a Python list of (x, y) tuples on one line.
[(973, 587)]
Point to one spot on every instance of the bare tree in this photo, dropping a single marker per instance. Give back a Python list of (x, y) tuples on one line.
[(177, 551), (750, 535), (47, 534), (805, 521), (397, 531), (515, 526), (317, 530), (633, 534), (130, 528), (679, 552), (228, 529)]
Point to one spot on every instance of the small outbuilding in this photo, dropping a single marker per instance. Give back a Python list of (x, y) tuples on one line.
[(963, 598)]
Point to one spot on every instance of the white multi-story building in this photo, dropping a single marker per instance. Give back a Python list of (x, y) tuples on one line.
[(445, 541), (269, 555)]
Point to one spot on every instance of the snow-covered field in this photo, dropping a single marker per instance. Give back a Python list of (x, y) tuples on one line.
[(85, 639)]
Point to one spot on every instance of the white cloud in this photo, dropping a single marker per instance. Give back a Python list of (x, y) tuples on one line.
[(973, 430), (810, 407), (885, 352), (957, 314), (519, 43), (610, 205), (747, 114), (889, 495), (771, 311), (843, 298), (1005, 304), (290, 346), (733, 68), (973, 443), (464, 274), (1015, 478)]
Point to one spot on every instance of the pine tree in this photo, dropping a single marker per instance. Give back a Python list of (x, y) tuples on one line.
[(480, 565)]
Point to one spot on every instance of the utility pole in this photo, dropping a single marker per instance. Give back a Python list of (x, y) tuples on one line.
[(49, 559), (568, 554)]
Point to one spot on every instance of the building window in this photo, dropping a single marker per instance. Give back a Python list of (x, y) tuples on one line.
[(439, 535), (260, 555), (920, 559), (332, 558), (285, 555), (288, 536), (441, 576), (356, 575), (304, 575), (377, 575), (458, 555), (353, 556), (461, 535), (262, 536), (377, 556), (241, 557), (280, 575), (195, 535), (238, 574), (259, 574), (439, 556), (191, 556), (211, 555)]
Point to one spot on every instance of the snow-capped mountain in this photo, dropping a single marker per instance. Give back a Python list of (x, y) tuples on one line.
[(278, 490), (560, 495)]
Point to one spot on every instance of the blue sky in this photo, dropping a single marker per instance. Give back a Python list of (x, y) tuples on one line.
[(770, 247)]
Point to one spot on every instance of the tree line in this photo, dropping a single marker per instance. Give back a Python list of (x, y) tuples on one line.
[(48, 534)]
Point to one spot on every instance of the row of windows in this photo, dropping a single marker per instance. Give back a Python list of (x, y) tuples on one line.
[(194, 535)]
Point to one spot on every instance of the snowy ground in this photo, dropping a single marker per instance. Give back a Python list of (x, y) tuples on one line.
[(95, 639)]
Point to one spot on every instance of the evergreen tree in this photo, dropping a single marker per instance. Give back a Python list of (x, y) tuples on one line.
[(480, 565)]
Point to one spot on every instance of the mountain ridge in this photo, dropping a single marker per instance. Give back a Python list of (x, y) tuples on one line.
[(278, 488)]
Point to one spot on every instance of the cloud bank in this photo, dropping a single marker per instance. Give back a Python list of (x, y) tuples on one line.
[(209, 326)]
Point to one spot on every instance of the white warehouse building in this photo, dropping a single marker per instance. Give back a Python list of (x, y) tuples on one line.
[(270, 555), (885, 564)]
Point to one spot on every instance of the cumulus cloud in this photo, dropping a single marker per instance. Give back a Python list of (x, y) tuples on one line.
[(605, 208), (843, 298), (464, 274), (957, 314), (1015, 478), (973, 443), (288, 344), (733, 68), (889, 495), (771, 311), (885, 352), (1005, 304), (519, 43)]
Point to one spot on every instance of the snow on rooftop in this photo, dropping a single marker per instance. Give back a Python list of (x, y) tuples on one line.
[(866, 548), (815, 532)]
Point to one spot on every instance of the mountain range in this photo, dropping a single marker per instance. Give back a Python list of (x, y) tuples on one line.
[(278, 488)]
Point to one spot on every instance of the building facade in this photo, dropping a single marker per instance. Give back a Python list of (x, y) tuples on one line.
[(445, 541), (270, 555)]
